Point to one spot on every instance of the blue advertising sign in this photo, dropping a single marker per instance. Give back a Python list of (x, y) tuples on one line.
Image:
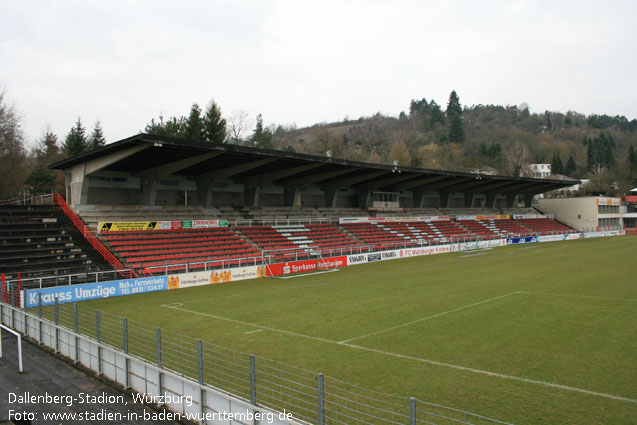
[(91, 291), (527, 239)]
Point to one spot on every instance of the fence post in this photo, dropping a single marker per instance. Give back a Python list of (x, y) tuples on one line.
[(158, 339), (76, 326), (125, 330), (160, 375), (98, 326), (200, 360), (40, 316), (202, 391), (126, 364), (57, 322), (253, 387), (412, 411), (321, 402)]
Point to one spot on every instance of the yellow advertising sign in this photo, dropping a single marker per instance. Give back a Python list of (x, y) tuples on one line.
[(127, 226)]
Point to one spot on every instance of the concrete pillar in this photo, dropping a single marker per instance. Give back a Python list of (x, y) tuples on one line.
[(418, 197), (330, 197), (290, 196), (444, 198), (528, 200), (511, 197), (490, 200), (149, 191), (79, 185), (364, 199), (251, 195), (204, 193), (468, 199)]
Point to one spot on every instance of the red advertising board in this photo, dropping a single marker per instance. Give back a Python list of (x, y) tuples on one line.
[(332, 262), (291, 267)]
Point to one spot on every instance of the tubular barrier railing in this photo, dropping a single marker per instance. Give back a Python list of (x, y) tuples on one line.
[(95, 242), (244, 222), (311, 397)]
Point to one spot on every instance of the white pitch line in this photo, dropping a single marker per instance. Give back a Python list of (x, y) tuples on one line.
[(241, 322), (427, 318), (578, 296), (403, 356), (495, 374), (254, 331)]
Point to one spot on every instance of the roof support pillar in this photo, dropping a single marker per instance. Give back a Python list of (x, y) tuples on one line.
[(468, 199), (251, 195), (511, 198), (490, 200), (528, 199), (444, 198), (79, 185), (418, 197), (290, 195), (330, 197), (364, 199), (204, 193), (149, 191)]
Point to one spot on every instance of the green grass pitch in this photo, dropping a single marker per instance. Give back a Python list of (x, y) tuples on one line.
[(533, 334)]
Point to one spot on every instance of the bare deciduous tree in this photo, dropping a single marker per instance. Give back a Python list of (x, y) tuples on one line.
[(238, 124)]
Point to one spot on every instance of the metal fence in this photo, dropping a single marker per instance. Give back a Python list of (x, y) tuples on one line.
[(309, 396)]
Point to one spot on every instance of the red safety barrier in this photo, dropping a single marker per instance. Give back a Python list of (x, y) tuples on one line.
[(4, 289), (108, 256)]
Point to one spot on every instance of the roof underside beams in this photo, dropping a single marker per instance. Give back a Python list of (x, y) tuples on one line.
[(213, 162)]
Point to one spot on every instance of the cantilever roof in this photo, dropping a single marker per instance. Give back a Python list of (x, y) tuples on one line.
[(146, 154)]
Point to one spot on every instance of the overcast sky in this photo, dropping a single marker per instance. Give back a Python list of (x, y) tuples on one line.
[(303, 62)]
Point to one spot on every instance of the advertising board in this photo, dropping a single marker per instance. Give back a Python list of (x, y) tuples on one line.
[(212, 277), (550, 238), (356, 259), (127, 226), (527, 239), (91, 291), (291, 267), (203, 224)]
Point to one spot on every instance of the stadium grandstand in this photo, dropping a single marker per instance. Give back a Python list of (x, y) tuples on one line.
[(246, 201), (221, 205)]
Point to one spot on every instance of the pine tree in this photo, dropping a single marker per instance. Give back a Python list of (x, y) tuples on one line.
[(454, 116), (97, 137), (571, 166), (214, 125), (632, 164), (75, 142), (41, 180), (194, 124), (262, 137), (437, 116), (557, 166)]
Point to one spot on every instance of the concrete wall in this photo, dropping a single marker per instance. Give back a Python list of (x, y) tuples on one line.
[(580, 213)]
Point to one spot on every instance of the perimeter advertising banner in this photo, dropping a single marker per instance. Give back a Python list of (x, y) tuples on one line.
[(291, 267), (91, 291), (118, 226), (203, 224), (127, 226), (483, 217), (550, 238), (346, 220), (492, 243), (527, 239), (401, 253), (213, 277)]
